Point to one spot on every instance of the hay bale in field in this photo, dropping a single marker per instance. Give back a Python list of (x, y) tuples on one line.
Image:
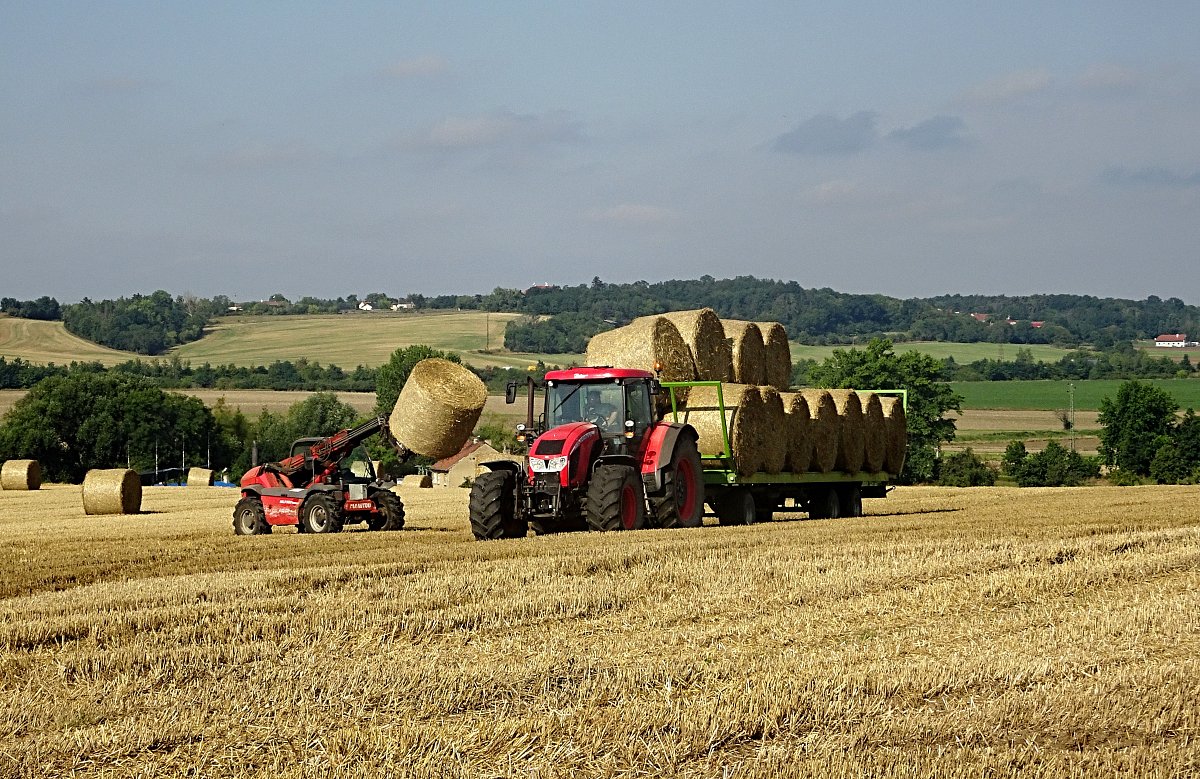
[(777, 355), (437, 408), (851, 433), (21, 475), (799, 437), (743, 420), (643, 343), (748, 351), (824, 427), (112, 491), (199, 477), (417, 480), (897, 434), (773, 433), (701, 330), (874, 432)]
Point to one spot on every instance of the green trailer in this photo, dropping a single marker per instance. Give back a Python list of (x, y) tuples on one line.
[(737, 499)]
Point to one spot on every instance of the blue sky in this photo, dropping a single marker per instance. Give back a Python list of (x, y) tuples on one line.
[(324, 149)]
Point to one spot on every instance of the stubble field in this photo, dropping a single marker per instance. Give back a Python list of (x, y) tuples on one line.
[(987, 632)]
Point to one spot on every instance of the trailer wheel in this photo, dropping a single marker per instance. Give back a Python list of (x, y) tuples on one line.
[(850, 501), (683, 484), (736, 507), (249, 518), (825, 504), (391, 511), (493, 507), (321, 514), (616, 499)]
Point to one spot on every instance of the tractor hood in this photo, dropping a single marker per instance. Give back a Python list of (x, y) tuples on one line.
[(565, 449)]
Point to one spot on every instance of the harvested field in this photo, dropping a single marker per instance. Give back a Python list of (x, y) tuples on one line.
[(951, 633)]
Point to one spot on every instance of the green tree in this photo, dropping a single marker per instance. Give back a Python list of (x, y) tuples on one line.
[(1056, 466), (929, 398), (1135, 425), (1014, 458), (390, 377), (965, 469), (320, 414)]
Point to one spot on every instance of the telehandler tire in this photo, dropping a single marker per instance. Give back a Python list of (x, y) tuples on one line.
[(321, 514), (493, 507), (616, 499), (249, 518), (391, 510)]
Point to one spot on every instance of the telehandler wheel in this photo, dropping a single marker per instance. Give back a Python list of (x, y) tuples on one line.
[(249, 519), (825, 504), (321, 514), (493, 507), (682, 505), (849, 500), (736, 507), (391, 511), (616, 499)]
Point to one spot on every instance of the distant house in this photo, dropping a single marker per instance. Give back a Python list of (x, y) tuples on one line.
[(1173, 340), (980, 317), (457, 468), (1036, 324), (541, 287), (365, 306), (404, 305)]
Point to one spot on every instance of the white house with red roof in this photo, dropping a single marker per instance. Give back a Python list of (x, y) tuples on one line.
[(1173, 340)]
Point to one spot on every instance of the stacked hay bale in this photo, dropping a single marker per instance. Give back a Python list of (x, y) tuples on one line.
[(851, 433), (773, 434), (744, 420), (824, 428), (422, 480), (747, 351), (437, 408), (777, 355), (21, 475), (112, 491), (702, 332), (799, 437), (875, 432), (644, 343), (897, 434), (199, 477)]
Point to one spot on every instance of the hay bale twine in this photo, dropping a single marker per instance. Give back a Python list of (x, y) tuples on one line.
[(417, 480), (21, 475), (824, 427), (743, 420), (701, 330), (437, 408), (641, 344), (199, 477), (773, 432), (112, 491), (897, 434), (747, 350), (799, 437), (777, 364), (851, 434), (874, 432)]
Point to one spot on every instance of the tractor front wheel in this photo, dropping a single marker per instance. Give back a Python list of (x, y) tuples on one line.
[(493, 507), (682, 505), (249, 518), (616, 499), (321, 514)]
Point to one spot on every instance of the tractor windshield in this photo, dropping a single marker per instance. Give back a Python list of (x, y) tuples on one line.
[(602, 404), (357, 466)]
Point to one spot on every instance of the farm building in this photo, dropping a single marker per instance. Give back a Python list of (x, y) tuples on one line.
[(452, 471), (1176, 340)]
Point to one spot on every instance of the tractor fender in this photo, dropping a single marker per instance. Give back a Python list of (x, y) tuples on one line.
[(512, 466), (616, 459), (658, 450)]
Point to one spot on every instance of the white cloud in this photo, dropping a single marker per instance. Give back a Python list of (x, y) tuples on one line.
[(1012, 86)]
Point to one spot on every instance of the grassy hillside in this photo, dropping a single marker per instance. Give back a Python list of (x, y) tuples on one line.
[(962, 353), (1054, 394), (49, 342)]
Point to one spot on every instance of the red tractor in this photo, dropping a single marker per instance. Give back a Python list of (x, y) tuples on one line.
[(601, 458), (325, 484)]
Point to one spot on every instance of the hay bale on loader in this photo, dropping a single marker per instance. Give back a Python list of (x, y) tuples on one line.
[(437, 408), (824, 428), (851, 432), (199, 477), (21, 475), (773, 434), (748, 351), (112, 491), (777, 355), (897, 434), (702, 332), (643, 343), (799, 436), (744, 419), (875, 432)]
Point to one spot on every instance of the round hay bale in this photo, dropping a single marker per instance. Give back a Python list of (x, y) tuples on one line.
[(199, 477), (851, 433), (874, 432), (823, 428), (897, 434), (743, 421), (701, 330), (777, 364), (112, 491), (643, 343), (437, 408), (748, 351), (417, 480), (799, 437), (21, 475), (773, 432)]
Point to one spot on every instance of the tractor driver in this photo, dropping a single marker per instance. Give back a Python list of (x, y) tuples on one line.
[(603, 414)]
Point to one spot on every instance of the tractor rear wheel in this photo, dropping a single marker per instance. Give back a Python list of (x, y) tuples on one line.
[(682, 505), (493, 507), (736, 507), (249, 518), (391, 511), (616, 499), (321, 514)]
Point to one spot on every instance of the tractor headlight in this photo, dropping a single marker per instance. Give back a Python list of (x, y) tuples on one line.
[(549, 465)]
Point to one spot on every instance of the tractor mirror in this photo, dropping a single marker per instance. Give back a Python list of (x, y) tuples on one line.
[(510, 392), (655, 387)]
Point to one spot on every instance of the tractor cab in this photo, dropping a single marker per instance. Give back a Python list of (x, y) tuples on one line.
[(355, 467), (617, 401)]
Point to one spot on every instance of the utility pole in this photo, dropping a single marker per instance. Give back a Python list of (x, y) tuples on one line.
[(1071, 413)]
